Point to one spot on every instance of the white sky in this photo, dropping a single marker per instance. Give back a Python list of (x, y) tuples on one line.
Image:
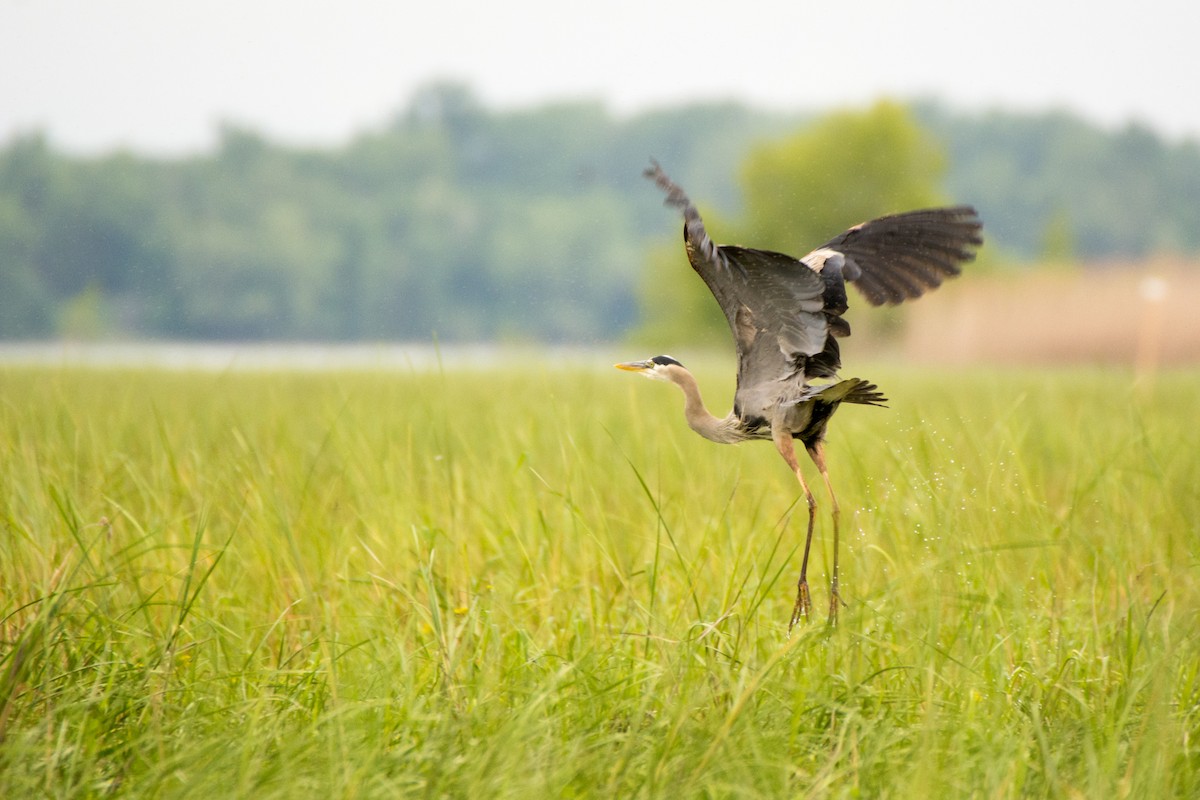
[(159, 75)]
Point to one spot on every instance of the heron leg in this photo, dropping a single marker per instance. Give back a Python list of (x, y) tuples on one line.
[(783, 443), (817, 452)]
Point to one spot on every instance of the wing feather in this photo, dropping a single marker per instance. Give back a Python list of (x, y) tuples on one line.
[(902, 256)]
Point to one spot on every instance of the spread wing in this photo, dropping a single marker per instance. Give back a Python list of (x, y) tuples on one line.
[(902, 256), (774, 304)]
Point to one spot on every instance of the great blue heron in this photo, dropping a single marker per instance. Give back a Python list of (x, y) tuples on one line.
[(786, 319)]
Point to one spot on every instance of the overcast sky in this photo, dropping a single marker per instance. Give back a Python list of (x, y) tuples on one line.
[(159, 75)]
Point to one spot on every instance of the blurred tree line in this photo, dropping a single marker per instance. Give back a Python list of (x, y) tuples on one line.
[(469, 223)]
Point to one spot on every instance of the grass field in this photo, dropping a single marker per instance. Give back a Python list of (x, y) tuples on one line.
[(488, 584)]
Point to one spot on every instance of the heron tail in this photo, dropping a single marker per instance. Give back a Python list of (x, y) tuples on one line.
[(851, 390)]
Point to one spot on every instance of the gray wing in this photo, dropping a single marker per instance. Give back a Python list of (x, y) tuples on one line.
[(902, 256), (784, 334), (774, 304)]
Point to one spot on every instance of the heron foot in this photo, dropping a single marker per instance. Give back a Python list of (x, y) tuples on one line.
[(803, 604), (835, 600)]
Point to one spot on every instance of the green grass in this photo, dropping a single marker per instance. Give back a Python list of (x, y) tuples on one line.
[(492, 585)]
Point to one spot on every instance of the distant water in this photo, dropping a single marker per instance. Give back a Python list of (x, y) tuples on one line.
[(289, 356)]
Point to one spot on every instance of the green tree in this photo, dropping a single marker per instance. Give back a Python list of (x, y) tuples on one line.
[(798, 192), (1058, 239), (25, 308), (847, 168)]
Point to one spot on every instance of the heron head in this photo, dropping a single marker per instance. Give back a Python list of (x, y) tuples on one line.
[(659, 367)]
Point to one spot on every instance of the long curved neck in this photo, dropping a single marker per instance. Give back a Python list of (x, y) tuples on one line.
[(715, 429)]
